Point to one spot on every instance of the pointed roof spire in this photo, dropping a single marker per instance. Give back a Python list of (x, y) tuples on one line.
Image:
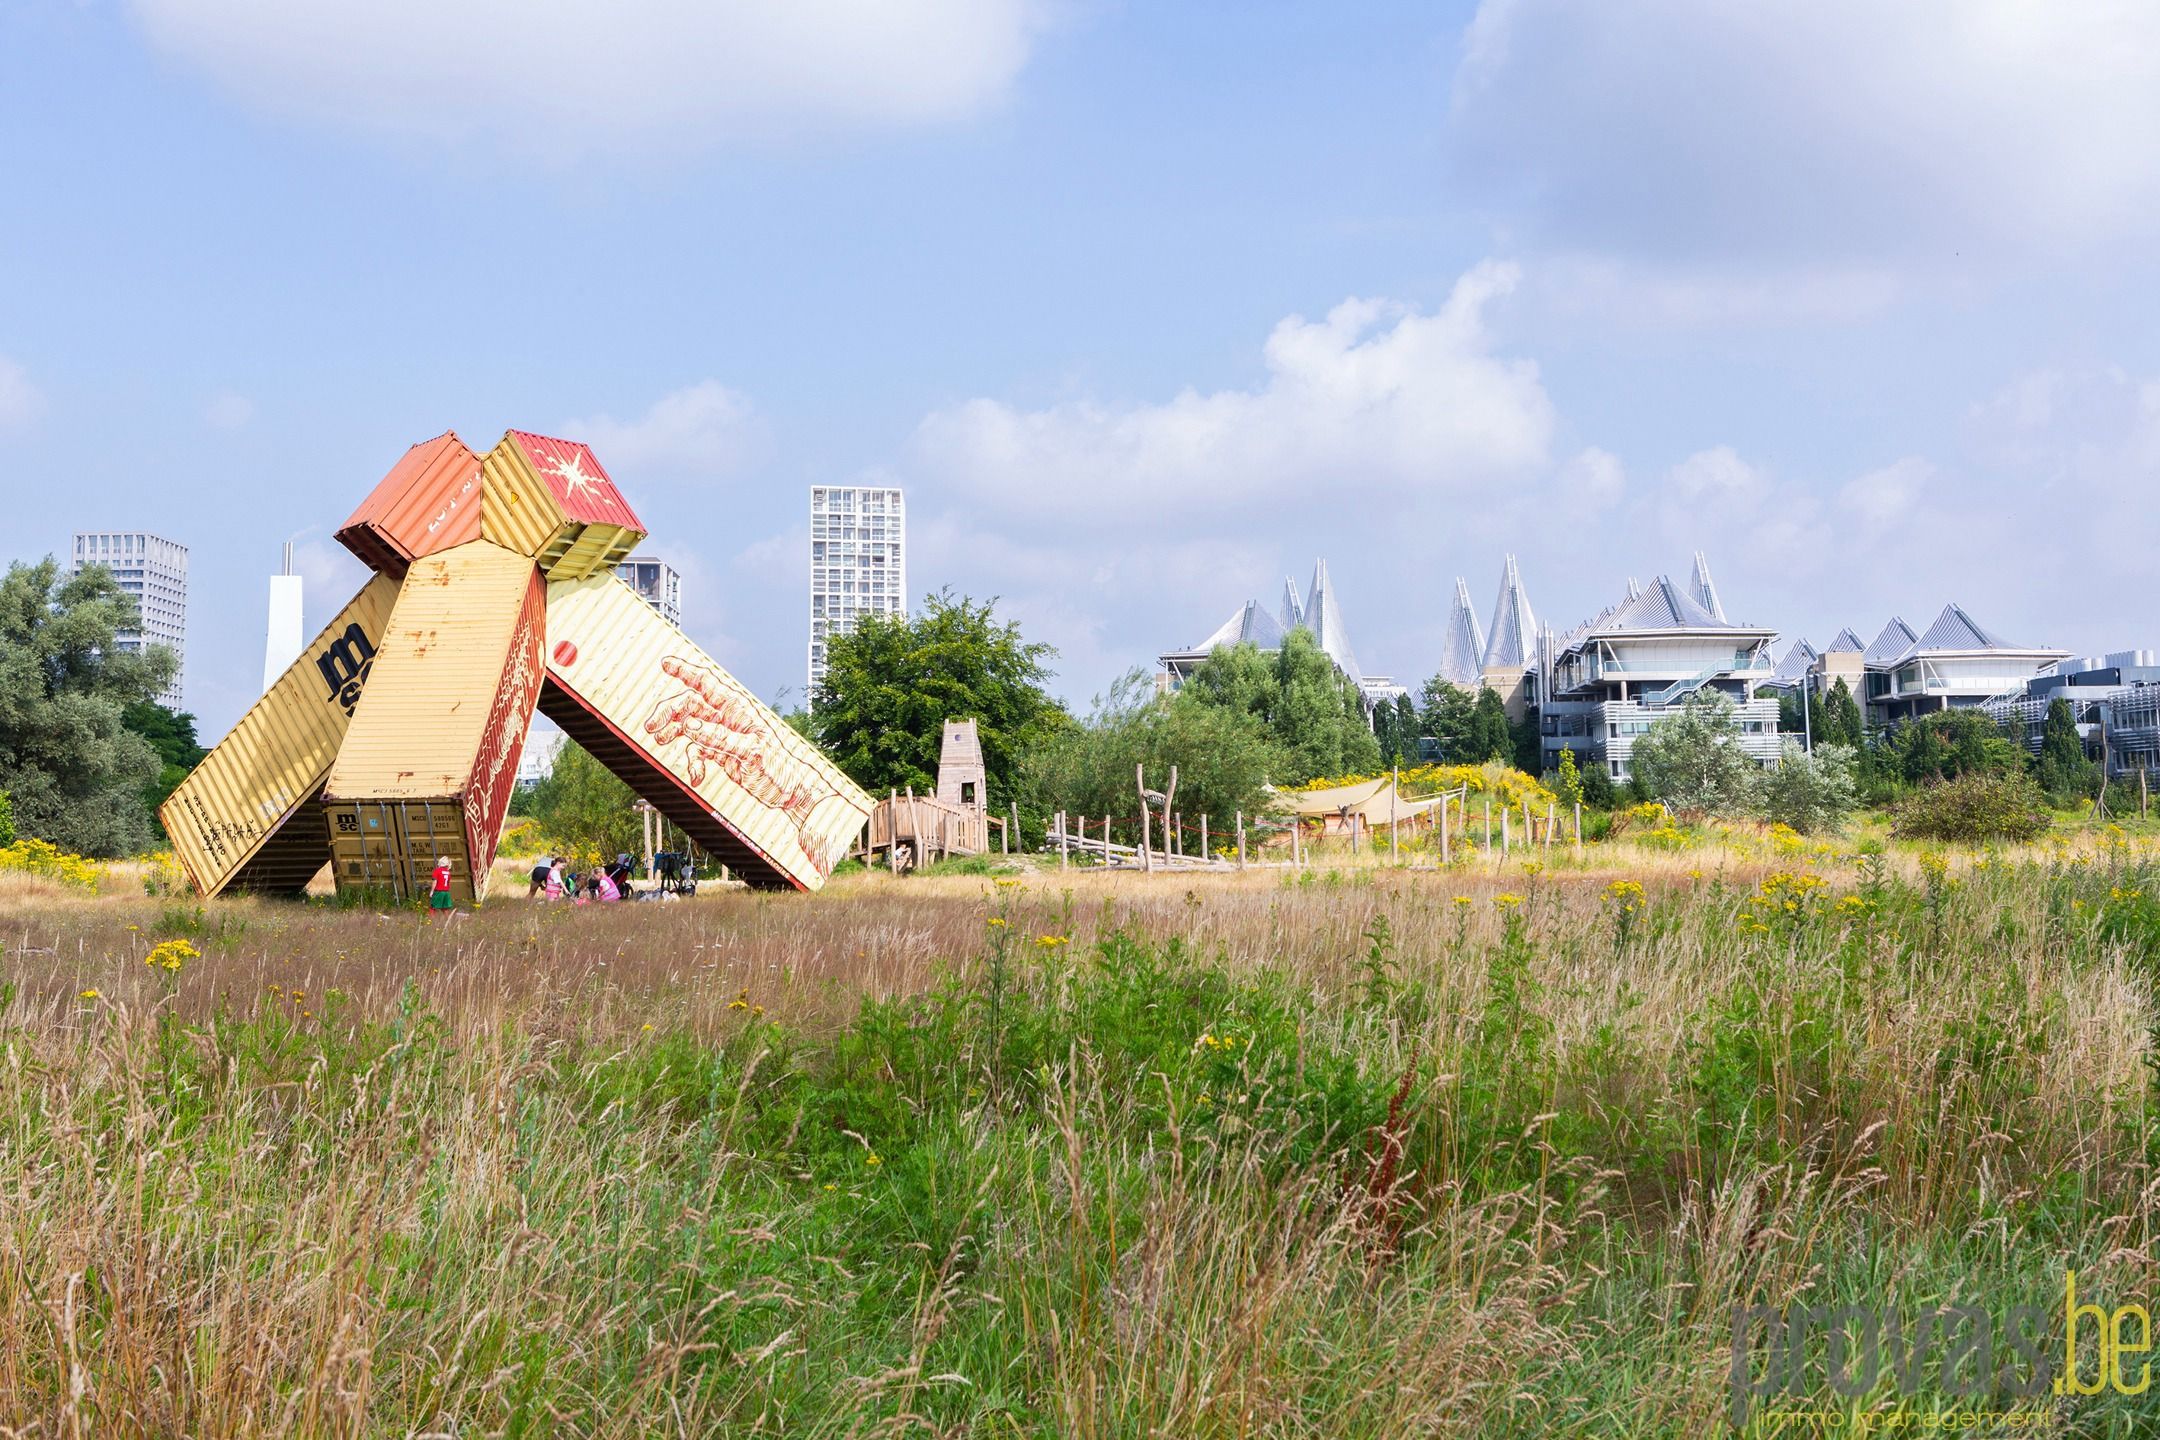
[(1796, 662), (1704, 588), (1292, 614), (1956, 630), (1891, 642), (1323, 616), (1248, 624), (1462, 645), (1843, 641), (1513, 639)]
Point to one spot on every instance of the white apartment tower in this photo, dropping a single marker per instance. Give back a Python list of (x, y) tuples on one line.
[(154, 571), (858, 561), (657, 583)]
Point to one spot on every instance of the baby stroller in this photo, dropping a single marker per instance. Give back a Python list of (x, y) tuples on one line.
[(672, 870)]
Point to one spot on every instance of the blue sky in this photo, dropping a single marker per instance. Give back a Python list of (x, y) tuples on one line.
[(1147, 306)]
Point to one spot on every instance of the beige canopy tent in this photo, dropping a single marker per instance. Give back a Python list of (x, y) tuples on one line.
[(1373, 802)]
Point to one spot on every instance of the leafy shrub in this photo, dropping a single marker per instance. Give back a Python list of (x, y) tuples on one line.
[(1811, 791), (1973, 808), (7, 819), (1693, 759)]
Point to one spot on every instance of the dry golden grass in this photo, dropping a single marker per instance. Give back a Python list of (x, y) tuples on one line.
[(618, 1169)]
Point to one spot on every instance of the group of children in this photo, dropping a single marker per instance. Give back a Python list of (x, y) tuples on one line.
[(552, 878)]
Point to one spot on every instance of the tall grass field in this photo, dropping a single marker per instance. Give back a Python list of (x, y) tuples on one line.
[(1734, 1135)]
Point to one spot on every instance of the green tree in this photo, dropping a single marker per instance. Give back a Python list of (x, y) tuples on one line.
[(1489, 738), (1950, 743), (1598, 792), (2063, 771), (7, 819), (582, 809), (1811, 790), (77, 774), (1315, 714), (1225, 758), (1567, 780), (1840, 718), (1693, 759), (892, 681), (1450, 716), (1395, 727), (172, 734), (1800, 713)]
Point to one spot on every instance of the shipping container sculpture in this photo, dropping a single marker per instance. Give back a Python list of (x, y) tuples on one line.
[(394, 740)]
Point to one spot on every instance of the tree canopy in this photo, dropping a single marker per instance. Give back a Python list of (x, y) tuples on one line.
[(1693, 760), (892, 681), (1951, 743), (583, 810), (78, 776), (1225, 756), (1313, 711), (172, 734)]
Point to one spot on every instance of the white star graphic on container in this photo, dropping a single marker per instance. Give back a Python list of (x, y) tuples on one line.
[(572, 473)]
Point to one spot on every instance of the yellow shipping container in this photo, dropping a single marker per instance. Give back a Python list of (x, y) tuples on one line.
[(692, 741), (427, 767), (550, 499), (246, 817)]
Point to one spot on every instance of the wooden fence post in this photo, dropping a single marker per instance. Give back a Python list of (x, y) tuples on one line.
[(1204, 855), (1394, 821), (892, 829), (1506, 840), (1578, 827), (1443, 830), (1241, 839)]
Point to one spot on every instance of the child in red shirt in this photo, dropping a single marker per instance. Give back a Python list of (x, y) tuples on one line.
[(439, 896)]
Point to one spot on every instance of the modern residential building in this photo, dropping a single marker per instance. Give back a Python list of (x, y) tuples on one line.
[(1602, 685), (1955, 662), (1318, 611), (2114, 700), (858, 562), (153, 570), (657, 583)]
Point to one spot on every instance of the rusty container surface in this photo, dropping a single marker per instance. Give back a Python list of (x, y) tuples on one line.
[(550, 499), (246, 817), (692, 741), (428, 764), (429, 501)]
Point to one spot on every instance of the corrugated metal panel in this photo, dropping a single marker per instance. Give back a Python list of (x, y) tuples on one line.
[(442, 724), (502, 741), (551, 500), (659, 711), (429, 501), (517, 512), (572, 473), (235, 820)]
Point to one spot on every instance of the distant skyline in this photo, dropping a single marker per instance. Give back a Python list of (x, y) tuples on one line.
[(1146, 307)]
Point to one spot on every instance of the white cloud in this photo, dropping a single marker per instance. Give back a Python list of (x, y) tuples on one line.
[(1884, 499), (1376, 401), (560, 77), (1813, 128), (1594, 480), (701, 431), (20, 401), (228, 410)]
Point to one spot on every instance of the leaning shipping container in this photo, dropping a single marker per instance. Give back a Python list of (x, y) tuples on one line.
[(427, 769), (430, 501), (246, 818), (550, 499), (692, 741)]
